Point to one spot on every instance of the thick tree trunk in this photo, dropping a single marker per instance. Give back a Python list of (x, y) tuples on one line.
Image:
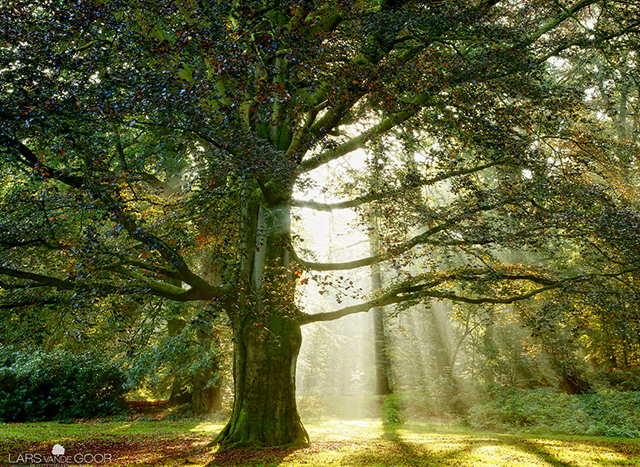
[(267, 339), (264, 410)]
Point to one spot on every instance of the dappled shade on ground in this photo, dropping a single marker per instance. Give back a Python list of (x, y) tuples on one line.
[(124, 450), (356, 443)]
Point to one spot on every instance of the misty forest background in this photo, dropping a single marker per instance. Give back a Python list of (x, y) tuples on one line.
[(459, 182)]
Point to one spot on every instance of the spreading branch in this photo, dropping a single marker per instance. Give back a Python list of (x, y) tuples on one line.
[(40, 279), (426, 290), (358, 142), (152, 286), (135, 231), (369, 197), (420, 239)]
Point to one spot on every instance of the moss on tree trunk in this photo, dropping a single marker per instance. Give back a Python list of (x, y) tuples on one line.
[(264, 410)]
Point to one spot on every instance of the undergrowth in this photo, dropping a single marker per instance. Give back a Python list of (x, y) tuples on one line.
[(604, 413)]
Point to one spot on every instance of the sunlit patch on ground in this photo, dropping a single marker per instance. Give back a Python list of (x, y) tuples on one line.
[(211, 428), (341, 430), (122, 427)]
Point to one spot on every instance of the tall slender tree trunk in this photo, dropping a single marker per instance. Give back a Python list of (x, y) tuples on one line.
[(623, 110), (380, 348), (416, 321), (267, 337), (381, 359), (489, 348), (207, 397), (442, 346), (383, 387), (179, 392)]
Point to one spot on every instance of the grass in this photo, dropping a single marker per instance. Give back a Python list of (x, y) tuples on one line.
[(166, 443)]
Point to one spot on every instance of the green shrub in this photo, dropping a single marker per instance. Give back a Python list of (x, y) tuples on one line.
[(614, 413), (310, 407), (606, 413), (390, 409), (57, 385), (626, 380)]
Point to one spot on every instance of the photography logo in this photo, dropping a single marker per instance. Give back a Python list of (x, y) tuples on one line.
[(57, 450), (59, 458)]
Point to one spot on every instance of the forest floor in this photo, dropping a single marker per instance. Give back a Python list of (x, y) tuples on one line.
[(153, 436)]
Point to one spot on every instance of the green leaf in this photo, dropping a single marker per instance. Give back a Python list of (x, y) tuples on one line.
[(159, 33), (186, 73)]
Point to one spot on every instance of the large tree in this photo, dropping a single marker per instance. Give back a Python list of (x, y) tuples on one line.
[(153, 148)]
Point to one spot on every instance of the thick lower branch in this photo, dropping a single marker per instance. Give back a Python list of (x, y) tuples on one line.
[(157, 288), (161, 288), (38, 278)]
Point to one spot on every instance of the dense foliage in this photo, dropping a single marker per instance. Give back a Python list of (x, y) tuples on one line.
[(59, 385), (153, 149), (187, 363)]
